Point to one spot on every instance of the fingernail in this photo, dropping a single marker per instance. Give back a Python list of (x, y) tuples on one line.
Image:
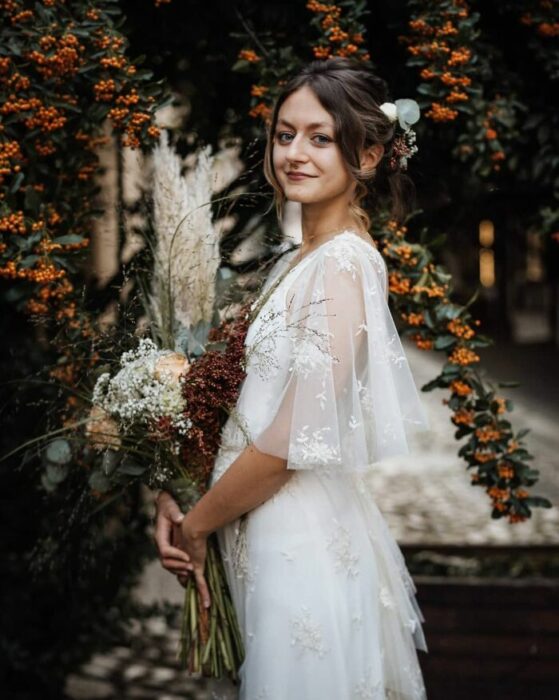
[(207, 603)]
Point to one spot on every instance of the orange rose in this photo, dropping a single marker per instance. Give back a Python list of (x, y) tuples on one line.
[(101, 430), (173, 364)]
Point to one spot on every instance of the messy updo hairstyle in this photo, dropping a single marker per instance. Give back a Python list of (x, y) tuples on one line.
[(352, 94)]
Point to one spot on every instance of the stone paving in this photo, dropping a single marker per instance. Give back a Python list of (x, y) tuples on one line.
[(147, 670), (425, 497)]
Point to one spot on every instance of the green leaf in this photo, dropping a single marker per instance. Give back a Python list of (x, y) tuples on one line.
[(99, 482), (444, 341), (68, 239), (59, 452), (110, 462), (433, 384), (32, 201), (505, 385), (17, 182), (131, 467), (538, 501), (29, 260), (47, 484), (56, 473)]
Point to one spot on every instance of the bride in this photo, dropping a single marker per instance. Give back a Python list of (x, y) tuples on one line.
[(325, 603)]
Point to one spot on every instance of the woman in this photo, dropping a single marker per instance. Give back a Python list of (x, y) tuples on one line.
[(325, 603)]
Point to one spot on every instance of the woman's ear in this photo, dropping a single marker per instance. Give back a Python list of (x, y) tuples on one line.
[(370, 158)]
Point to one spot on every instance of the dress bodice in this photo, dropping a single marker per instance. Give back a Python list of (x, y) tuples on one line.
[(327, 381)]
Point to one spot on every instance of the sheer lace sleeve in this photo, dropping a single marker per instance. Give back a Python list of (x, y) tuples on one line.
[(349, 399)]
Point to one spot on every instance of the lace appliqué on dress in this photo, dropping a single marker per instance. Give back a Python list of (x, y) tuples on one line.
[(339, 543), (367, 690), (307, 634), (313, 448)]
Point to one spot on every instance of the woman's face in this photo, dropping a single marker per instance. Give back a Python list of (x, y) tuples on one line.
[(304, 145)]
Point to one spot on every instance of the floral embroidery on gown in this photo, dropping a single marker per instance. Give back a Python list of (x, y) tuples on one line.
[(325, 602)]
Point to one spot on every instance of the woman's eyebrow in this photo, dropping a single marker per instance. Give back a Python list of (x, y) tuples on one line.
[(314, 125)]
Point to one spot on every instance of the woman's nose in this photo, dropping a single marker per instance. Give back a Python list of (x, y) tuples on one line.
[(296, 150)]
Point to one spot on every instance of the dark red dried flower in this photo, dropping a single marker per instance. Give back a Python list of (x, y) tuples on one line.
[(211, 389)]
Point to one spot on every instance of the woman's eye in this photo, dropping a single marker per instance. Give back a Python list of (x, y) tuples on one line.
[(323, 139), (286, 136), (280, 136)]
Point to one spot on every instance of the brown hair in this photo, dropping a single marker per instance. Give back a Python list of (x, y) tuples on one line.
[(352, 94)]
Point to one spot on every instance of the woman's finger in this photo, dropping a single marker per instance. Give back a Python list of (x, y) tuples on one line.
[(203, 589), (167, 551), (175, 566)]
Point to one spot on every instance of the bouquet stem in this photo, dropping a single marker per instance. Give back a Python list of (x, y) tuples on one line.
[(210, 638)]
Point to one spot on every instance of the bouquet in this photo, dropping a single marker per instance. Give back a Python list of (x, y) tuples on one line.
[(155, 421), (158, 418), (154, 417)]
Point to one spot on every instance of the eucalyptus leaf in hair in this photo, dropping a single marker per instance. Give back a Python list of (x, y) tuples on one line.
[(408, 112)]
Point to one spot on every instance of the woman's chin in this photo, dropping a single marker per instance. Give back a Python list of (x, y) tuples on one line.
[(295, 194)]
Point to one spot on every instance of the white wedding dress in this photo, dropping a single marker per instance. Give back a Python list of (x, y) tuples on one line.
[(325, 602)]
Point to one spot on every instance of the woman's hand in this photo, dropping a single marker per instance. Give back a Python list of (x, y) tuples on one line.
[(168, 534), (196, 546)]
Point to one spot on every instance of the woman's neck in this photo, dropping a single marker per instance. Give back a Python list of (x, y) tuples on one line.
[(318, 226)]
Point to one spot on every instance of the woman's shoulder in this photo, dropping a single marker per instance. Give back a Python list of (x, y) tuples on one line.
[(352, 252)]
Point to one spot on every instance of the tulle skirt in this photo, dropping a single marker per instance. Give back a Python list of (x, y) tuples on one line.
[(325, 602)]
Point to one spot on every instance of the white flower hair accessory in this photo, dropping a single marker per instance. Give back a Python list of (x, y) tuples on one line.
[(406, 112)]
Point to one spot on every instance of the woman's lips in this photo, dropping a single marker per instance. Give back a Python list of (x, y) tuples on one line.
[(297, 176)]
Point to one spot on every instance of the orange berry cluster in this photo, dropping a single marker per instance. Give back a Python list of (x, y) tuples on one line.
[(440, 113), (461, 388), (505, 471), (422, 343), (9, 151), (65, 61), (13, 105), (460, 329), (45, 149), (249, 55), (547, 29), (501, 405), (13, 223), (113, 62), (258, 90), (42, 273), (321, 51), (498, 494), (487, 433), (105, 90), (457, 96), (434, 39), (47, 119), (491, 134), (261, 110), (16, 83), (463, 416), (404, 251), (433, 291), (459, 57), (465, 411), (463, 356), (482, 457), (449, 79), (337, 30), (398, 284), (23, 16), (132, 98), (413, 319)]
